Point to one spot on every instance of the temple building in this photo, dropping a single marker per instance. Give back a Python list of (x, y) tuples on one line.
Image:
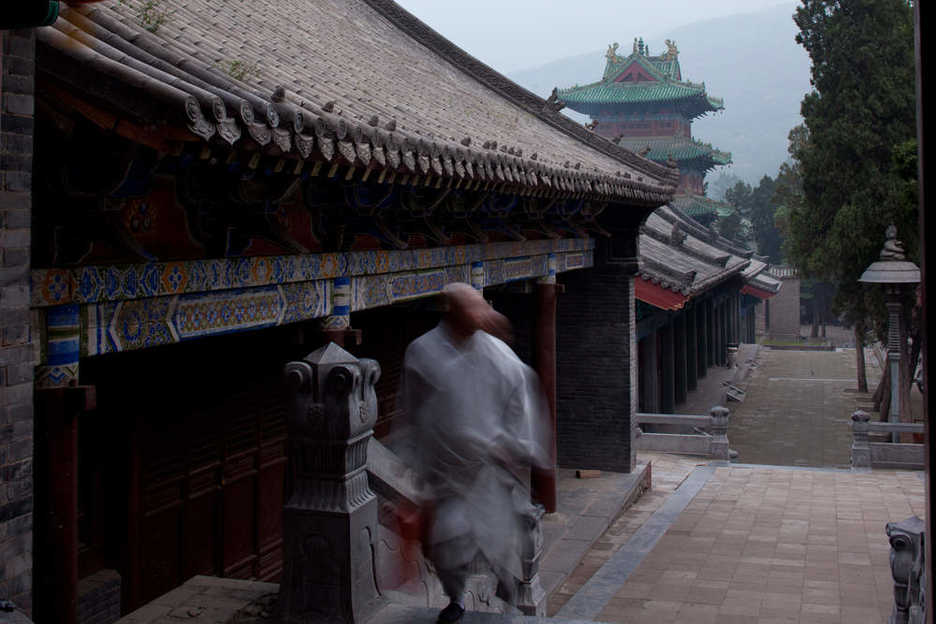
[(196, 193), (642, 103), (696, 296), (697, 292)]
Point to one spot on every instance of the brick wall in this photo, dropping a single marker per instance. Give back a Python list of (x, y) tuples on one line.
[(17, 63), (597, 370)]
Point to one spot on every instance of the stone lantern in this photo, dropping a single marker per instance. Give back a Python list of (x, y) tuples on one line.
[(894, 271)]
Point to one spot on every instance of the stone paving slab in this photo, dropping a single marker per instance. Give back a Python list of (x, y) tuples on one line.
[(669, 472), (586, 508), (601, 587), (761, 544)]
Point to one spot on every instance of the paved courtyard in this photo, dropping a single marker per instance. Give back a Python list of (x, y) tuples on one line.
[(798, 408), (772, 545), (798, 540)]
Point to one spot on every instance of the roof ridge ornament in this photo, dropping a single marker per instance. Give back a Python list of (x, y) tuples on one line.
[(677, 235), (553, 103), (672, 52)]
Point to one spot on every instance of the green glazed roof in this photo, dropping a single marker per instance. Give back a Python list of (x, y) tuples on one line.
[(680, 148), (635, 93), (666, 88)]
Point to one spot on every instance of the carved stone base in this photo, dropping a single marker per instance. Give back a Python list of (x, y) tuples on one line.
[(324, 580)]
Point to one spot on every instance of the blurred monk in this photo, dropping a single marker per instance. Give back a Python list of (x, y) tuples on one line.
[(476, 413)]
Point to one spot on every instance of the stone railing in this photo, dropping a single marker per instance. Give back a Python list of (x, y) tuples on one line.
[(344, 546), (686, 434), (866, 454), (908, 569), (781, 271)]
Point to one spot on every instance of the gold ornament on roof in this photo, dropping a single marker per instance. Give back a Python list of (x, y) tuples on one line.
[(611, 54), (671, 50)]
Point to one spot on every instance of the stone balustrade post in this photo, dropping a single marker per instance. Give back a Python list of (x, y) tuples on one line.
[(861, 446), (907, 568), (719, 429), (330, 520), (531, 597)]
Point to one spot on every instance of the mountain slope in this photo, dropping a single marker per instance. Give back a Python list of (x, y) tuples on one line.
[(751, 60)]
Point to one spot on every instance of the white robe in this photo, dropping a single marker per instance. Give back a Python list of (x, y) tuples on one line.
[(477, 419)]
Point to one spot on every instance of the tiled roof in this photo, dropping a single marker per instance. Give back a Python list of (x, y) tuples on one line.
[(637, 93), (766, 282), (679, 254), (665, 86), (358, 80)]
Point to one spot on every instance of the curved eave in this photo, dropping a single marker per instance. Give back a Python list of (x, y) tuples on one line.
[(598, 97), (701, 162), (136, 75)]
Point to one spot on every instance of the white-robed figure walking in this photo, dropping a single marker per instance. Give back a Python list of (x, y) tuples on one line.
[(477, 415)]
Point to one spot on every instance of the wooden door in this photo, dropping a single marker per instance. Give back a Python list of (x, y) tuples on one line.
[(212, 492)]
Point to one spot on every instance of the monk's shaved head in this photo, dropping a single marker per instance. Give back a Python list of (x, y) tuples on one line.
[(467, 312)]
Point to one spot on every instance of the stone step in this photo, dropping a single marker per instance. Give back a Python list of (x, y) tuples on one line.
[(396, 614)]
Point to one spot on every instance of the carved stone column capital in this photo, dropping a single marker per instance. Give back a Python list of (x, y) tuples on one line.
[(330, 520), (907, 568)]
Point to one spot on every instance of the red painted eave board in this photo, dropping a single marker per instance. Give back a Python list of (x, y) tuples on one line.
[(658, 296), (756, 292)]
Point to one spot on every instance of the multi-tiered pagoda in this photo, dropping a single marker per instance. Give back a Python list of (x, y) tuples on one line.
[(642, 103)]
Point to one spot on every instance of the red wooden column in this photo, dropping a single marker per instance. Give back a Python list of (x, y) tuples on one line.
[(544, 480), (56, 580)]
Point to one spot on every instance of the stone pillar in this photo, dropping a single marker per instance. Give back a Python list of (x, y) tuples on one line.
[(703, 331), (719, 431), (597, 360), (717, 334), (736, 307), (544, 481), (330, 520), (531, 597), (668, 369), (723, 333), (907, 567), (899, 410), (726, 330), (17, 353), (861, 448), (692, 349), (681, 358), (708, 333)]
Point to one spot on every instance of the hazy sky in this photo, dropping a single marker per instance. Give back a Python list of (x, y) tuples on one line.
[(518, 34)]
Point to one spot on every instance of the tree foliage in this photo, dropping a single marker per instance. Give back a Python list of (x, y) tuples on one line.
[(844, 186), (757, 205)]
